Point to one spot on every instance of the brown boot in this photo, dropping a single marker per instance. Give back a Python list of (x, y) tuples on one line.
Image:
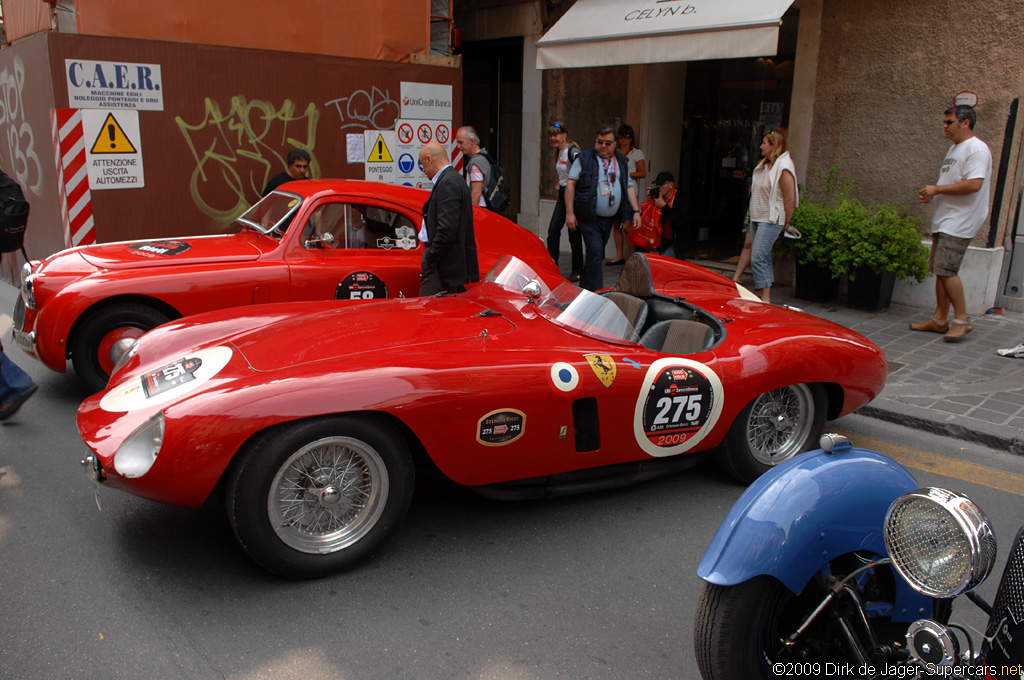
[(932, 325), (958, 330)]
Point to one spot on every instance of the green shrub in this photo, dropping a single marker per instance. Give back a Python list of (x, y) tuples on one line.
[(841, 234)]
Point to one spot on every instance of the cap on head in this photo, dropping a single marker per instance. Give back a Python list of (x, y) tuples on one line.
[(664, 176)]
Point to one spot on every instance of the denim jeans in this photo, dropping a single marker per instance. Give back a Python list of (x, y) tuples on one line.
[(762, 237), (596, 231), (13, 380)]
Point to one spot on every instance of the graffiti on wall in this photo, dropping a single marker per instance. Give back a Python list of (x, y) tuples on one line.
[(236, 151), (362, 110), (16, 131)]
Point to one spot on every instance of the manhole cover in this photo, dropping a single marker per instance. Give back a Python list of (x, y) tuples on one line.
[(893, 366)]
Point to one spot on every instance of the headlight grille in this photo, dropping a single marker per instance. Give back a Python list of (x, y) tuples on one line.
[(939, 541)]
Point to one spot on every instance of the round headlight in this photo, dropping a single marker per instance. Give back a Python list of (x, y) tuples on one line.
[(940, 542), (139, 450), (28, 293)]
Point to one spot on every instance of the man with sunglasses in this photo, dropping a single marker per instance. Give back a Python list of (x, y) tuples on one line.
[(599, 191), (961, 199)]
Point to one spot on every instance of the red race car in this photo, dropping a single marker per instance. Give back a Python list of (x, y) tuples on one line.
[(307, 418), (351, 240)]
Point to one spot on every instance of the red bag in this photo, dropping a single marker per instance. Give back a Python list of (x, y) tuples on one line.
[(647, 234)]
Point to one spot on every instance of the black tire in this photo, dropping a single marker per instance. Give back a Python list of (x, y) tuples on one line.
[(739, 631), (292, 497), (94, 336), (737, 628), (773, 428)]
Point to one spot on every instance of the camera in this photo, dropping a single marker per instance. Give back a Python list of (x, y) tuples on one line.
[(654, 192)]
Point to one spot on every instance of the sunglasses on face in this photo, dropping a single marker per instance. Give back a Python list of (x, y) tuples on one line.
[(950, 122), (602, 142)]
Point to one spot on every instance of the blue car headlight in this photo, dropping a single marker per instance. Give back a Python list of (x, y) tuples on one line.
[(940, 542), (139, 450)]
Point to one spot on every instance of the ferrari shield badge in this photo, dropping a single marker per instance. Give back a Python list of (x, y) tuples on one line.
[(604, 367)]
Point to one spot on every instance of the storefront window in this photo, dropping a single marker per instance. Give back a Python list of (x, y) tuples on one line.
[(730, 104)]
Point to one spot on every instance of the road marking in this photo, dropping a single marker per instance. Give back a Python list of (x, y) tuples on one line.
[(944, 465)]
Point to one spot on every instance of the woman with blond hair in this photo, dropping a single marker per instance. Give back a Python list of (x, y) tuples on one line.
[(773, 197)]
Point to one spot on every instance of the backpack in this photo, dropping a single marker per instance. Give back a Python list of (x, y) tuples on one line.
[(574, 153), (497, 193), (13, 216)]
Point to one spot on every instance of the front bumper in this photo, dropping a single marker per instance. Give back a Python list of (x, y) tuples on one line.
[(26, 341)]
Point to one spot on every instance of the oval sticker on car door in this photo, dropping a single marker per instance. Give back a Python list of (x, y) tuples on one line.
[(679, 403)]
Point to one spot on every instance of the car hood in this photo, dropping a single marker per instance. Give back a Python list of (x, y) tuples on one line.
[(174, 251), (276, 336)]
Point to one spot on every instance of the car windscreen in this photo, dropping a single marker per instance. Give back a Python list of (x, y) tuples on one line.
[(513, 274), (587, 313), (273, 212)]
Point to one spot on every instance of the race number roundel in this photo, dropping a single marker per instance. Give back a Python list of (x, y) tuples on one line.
[(362, 286), (679, 403)]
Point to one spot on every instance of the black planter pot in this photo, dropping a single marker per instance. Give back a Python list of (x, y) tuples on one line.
[(815, 283), (870, 291)]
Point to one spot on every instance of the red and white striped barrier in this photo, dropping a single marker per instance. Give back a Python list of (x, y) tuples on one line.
[(72, 177)]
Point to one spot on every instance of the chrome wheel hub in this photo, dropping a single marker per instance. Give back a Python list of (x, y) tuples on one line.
[(780, 422), (328, 495)]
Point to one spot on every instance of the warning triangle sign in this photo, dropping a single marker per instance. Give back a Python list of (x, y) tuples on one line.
[(379, 152), (112, 138)]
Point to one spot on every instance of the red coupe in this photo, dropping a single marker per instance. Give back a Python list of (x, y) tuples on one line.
[(351, 240), (308, 418)]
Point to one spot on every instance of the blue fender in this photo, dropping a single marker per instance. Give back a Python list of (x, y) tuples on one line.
[(811, 509)]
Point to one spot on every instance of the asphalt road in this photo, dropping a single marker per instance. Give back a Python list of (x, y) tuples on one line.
[(594, 586)]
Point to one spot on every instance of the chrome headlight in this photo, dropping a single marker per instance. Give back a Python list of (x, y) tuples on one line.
[(27, 291), (940, 542), (138, 452), (123, 350)]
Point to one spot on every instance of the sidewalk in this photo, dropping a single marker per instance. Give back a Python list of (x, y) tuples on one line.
[(963, 390)]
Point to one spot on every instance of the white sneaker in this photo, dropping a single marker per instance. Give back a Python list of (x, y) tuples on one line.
[(1013, 352)]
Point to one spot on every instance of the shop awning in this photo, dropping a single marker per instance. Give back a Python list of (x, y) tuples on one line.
[(609, 32)]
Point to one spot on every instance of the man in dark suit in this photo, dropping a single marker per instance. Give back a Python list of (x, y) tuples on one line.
[(450, 259)]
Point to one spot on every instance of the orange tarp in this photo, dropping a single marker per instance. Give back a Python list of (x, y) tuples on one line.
[(24, 17), (387, 31)]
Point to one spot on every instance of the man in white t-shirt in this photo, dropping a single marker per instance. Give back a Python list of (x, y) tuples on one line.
[(476, 164), (961, 206)]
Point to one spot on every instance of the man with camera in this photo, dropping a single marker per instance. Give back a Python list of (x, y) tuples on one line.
[(673, 218)]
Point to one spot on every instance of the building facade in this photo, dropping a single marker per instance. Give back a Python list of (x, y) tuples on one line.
[(859, 86)]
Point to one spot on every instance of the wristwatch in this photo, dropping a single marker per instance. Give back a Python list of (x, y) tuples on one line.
[(635, 210)]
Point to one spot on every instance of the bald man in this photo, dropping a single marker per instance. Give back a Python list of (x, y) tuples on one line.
[(449, 259)]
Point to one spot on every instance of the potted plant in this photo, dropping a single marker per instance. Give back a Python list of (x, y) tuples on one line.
[(872, 245)]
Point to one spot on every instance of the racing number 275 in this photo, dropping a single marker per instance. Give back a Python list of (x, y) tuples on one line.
[(687, 408)]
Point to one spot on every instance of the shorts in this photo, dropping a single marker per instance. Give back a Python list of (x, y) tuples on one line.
[(947, 254)]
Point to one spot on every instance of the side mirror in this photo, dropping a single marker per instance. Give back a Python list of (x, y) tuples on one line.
[(532, 290), (324, 240)]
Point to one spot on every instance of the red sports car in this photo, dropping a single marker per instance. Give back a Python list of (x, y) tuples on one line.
[(350, 240), (308, 417)]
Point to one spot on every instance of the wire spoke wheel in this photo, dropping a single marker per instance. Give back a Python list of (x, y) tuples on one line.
[(780, 421), (328, 495)]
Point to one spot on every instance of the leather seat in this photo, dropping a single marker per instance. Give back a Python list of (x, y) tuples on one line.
[(679, 336), (636, 278), (634, 308)]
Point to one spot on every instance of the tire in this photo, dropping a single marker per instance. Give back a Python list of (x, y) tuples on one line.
[(771, 429), (97, 334), (319, 496), (737, 629)]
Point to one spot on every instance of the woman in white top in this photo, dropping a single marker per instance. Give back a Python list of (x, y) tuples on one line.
[(637, 170), (773, 197), (566, 153)]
